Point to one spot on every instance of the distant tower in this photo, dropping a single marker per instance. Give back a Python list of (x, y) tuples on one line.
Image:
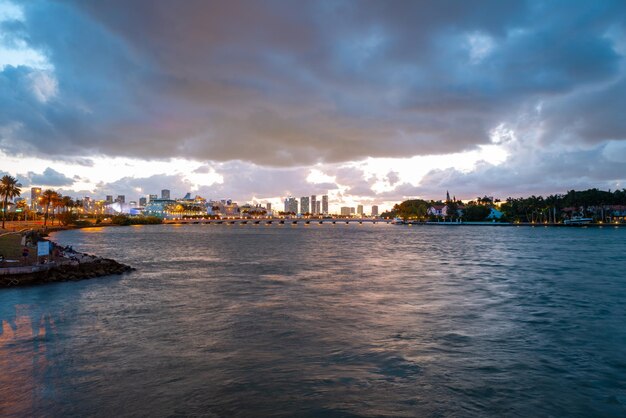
[(291, 204), (374, 210), (325, 204), (313, 203), (304, 205), (165, 194), (35, 193)]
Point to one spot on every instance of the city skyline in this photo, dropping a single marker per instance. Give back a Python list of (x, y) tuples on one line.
[(307, 204), (371, 103)]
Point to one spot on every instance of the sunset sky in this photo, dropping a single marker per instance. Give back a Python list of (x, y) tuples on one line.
[(372, 102)]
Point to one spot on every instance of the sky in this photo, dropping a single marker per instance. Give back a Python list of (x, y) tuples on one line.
[(371, 102)]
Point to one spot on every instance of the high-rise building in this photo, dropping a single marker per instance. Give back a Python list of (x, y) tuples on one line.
[(121, 198), (142, 201), (291, 204), (109, 199), (374, 210), (359, 210), (352, 211), (165, 194), (88, 203), (152, 197), (268, 208), (318, 207), (345, 211), (35, 194), (313, 204), (304, 205), (325, 204)]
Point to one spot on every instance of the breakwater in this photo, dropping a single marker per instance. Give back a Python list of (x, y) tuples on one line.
[(80, 267)]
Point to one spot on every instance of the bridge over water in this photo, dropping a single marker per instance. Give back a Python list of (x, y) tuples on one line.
[(276, 221)]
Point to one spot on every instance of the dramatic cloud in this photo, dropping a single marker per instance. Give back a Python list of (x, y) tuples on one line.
[(49, 177), (242, 86)]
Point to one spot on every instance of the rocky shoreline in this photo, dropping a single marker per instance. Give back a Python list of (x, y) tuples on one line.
[(73, 266)]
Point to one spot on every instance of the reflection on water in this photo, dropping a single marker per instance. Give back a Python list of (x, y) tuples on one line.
[(368, 320), (23, 359)]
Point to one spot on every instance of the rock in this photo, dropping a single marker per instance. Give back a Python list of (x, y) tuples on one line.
[(88, 267)]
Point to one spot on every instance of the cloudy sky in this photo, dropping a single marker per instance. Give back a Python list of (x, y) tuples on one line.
[(372, 102)]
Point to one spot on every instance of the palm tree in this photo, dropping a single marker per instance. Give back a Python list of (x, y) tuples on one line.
[(66, 203), (78, 204), (48, 197), (9, 189), (57, 205), (23, 207)]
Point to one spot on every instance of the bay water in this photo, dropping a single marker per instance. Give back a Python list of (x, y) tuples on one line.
[(325, 320)]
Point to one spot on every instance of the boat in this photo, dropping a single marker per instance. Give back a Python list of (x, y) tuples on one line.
[(397, 221), (578, 220)]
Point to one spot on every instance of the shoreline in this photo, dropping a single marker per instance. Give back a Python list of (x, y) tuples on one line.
[(65, 265)]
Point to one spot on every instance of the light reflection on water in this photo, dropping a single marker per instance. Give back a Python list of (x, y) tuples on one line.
[(364, 320)]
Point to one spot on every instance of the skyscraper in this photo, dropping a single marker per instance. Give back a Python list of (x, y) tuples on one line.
[(121, 198), (142, 201), (325, 204), (291, 205), (268, 208), (88, 204), (35, 193), (359, 210), (345, 211), (313, 204), (165, 194), (318, 207), (374, 210), (304, 205), (151, 197), (109, 199)]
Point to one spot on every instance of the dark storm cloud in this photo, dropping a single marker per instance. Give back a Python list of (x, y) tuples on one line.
[(281, 84), (49, 177)]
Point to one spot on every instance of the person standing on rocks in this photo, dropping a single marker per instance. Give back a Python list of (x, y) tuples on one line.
[(25, 254)]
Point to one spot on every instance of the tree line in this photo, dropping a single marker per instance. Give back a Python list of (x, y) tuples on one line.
[(594, 203), (56, 206)]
